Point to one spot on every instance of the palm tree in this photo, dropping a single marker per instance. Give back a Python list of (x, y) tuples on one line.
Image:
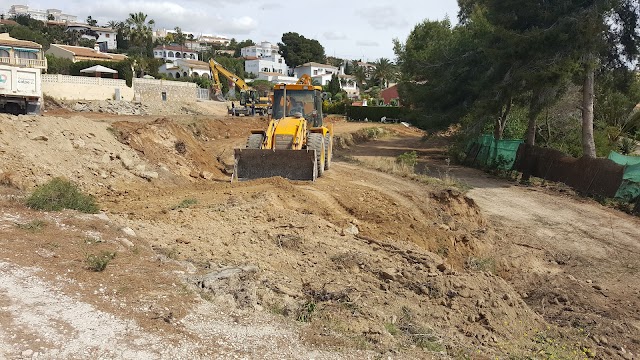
[(361, 76), (385, 71), (140, 30)]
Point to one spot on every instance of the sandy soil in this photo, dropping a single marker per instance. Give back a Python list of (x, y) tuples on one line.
[(359, 264)]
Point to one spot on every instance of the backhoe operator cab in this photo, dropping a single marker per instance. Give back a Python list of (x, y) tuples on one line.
[(298, 103)]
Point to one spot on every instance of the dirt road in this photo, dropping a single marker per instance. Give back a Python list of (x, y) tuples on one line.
[(359, 264)]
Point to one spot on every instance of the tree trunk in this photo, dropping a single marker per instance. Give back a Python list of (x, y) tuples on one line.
[(588, 144), (501, 122), (531, 128)]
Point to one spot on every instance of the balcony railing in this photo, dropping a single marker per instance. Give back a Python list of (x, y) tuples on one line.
[(32, 63)]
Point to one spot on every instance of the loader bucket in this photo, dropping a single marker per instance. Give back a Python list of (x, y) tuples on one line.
[(263, 163)]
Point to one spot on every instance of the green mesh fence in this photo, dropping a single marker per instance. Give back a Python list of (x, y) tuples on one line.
[(630, 188), (485, 151)]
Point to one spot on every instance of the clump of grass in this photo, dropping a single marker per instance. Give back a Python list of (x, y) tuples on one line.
[(185, 204), (391, 329), (33, 226), (306, 311), (409, 159), (100, 261), (419, 335), (58, 194)]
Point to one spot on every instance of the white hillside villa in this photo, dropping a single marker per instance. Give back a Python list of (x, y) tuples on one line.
[(268, 64), (104, 37), (170, 53), (264, 49), (185, 68), (313, 69)]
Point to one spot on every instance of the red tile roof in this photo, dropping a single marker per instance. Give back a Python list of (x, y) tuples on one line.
[(5, 39)]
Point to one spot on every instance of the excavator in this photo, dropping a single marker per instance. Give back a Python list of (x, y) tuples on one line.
[(248, 96), (295, 145)]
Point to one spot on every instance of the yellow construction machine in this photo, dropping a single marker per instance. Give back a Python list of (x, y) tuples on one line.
[(296, 145), (250, 99)]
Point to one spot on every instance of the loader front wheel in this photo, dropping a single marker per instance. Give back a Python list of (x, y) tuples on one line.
[(328, 151), (316, 142), (255, 141)]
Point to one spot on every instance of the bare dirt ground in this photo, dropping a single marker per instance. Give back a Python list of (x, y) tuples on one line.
[(359, 264)]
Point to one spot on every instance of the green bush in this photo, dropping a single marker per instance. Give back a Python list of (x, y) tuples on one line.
[(58, 194), (99, 262), (409, 159)]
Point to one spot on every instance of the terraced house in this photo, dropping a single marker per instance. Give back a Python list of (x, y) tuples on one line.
[(21, 53)]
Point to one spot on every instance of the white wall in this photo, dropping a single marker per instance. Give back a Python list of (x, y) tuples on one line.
[(65, 87)]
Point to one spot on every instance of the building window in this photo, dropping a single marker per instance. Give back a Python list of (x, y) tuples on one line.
[(171, 75), (192, 56), (165, 53), (315, 72), (170, 54), (184, 55), (279, 61), (185, 74), (4, 53), (107, 35), (178, 75)]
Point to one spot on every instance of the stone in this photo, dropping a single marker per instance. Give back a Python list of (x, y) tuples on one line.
[(27, 353), (102, 216), (126, 242), (389, 274), (350, 230), (206, 175), (129, 231), (147, 175), (78, 143), (442, 267), (40, 138), (126, 161)]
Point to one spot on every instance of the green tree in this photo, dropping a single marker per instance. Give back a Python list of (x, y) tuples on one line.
[(361, 76), (91, 21), (333, 86), (297, 50), (385, 72), (139, 31)]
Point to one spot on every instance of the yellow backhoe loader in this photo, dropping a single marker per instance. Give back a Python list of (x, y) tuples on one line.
[(250, 99), (296, 145)]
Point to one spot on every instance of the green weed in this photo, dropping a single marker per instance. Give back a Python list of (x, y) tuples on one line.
[(58, 194)]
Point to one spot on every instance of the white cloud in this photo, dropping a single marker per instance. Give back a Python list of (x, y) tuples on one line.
[(334, 35), (367, 43), (383, 17)]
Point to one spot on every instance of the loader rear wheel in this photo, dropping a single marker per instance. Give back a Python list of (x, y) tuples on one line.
[(316, 142), (255, 141), (328, 151)]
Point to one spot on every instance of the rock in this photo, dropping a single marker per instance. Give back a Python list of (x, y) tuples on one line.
[(206, 175), (126, 161), (27, 353), (147, 175), (389, 274), (183, 241), (194, 174), (126, 242), (106, 158), (442, 267), (129, 231), (78, 143), (40, 138), (141, 167), (597, 287), (444, 227), (350, 230), (102, 216)]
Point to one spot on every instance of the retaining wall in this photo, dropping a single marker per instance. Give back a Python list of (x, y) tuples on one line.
[(151, 90), (67, 87)]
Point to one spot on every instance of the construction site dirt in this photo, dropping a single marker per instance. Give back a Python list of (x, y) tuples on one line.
[(372, 260)]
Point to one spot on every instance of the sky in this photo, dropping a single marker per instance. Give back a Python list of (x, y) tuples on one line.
[(347, 29)]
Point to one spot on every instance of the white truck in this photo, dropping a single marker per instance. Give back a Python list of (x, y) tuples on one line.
[(20, 90)]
